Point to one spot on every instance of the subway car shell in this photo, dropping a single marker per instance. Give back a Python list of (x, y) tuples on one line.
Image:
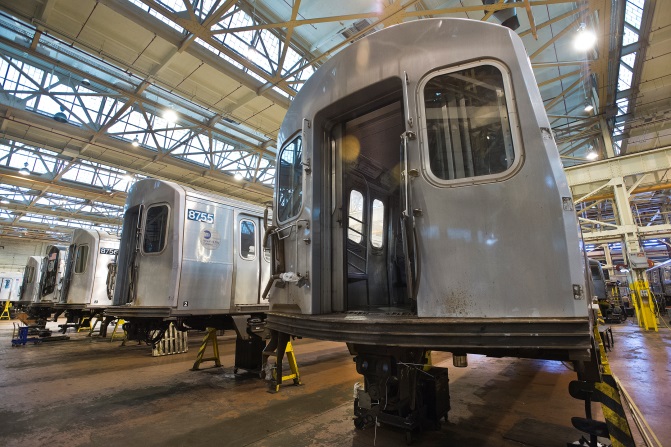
[(85, 283), (659, 278), (185, 253), (52, 272), (30, 288), (480, 286)]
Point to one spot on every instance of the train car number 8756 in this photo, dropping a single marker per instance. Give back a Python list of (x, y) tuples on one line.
[(200, 216)]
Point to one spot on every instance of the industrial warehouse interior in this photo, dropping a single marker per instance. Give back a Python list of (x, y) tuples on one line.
[(356, 223)]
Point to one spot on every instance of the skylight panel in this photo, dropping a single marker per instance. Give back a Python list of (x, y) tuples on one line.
[(633, 13), (624, 78), (629, 37)]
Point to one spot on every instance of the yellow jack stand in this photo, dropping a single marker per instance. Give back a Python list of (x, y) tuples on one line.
[(5, 311), (210, 337), (119, 322), (279, 345), (84, 324), (98, 319), (643, 304)]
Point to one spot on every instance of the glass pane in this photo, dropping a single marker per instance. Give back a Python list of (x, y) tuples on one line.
[(467, 124), (81, 258), (290, 181), (355, 224), (377, 225), (155, 229), (596, 274), (247, 239)]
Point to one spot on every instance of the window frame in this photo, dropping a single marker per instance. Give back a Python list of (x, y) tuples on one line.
[(86, 263), (289, 142), (513, 119), (144, 228), (245, 219)]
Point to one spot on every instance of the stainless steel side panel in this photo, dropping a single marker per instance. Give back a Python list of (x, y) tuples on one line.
[(10, 283), (207, 260), (107, 247), (31, 291)]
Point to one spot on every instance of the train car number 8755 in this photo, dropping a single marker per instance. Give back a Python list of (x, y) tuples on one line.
[(200, 216)]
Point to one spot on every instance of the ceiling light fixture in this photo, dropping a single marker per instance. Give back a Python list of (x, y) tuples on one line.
[(584, 39), (24, 170), (61, 117), (238, 176), (135, 142), (588, 107), (592, 155), (128, 177), (170, 115), (4, 202)]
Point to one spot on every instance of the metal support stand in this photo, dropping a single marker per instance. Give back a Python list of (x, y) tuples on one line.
[(119, 322), (279, 345), (5, 311), (84, 324), (211, 337), (643, 304)]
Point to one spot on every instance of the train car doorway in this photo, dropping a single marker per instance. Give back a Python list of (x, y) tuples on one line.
[(368, 257)]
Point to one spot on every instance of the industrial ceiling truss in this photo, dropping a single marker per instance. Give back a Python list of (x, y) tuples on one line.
[(98, 93)]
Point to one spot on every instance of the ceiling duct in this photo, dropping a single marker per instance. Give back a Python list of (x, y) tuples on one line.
[(356, 28), (507, 16)]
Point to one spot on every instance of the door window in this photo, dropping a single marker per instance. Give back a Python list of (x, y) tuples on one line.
[(355, 223), (377, 224), (247, 239)]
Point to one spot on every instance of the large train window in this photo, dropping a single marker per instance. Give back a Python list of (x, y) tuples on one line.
[(355, 224), (377, 224), (468, 127), (81, 258), (290, 180), (247, 239), (30, 274), (155, 228)]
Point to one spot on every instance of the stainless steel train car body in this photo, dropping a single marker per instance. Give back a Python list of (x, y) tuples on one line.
[(659, 278), (85, 282), (52, 272), (10, 286), (185, 252), (598, 280), (30, 288), (479, 289)]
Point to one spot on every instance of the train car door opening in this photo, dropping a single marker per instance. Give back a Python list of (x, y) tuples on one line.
[(368, 257)]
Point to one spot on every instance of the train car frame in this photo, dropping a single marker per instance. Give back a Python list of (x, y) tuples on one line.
[(408, 168)]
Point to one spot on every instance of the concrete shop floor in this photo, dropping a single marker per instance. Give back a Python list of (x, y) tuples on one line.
[(93, 392)]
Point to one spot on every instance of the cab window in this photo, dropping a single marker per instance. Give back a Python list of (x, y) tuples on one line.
[(467, 123), (290, 180), (156, 229), (81, 258)]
